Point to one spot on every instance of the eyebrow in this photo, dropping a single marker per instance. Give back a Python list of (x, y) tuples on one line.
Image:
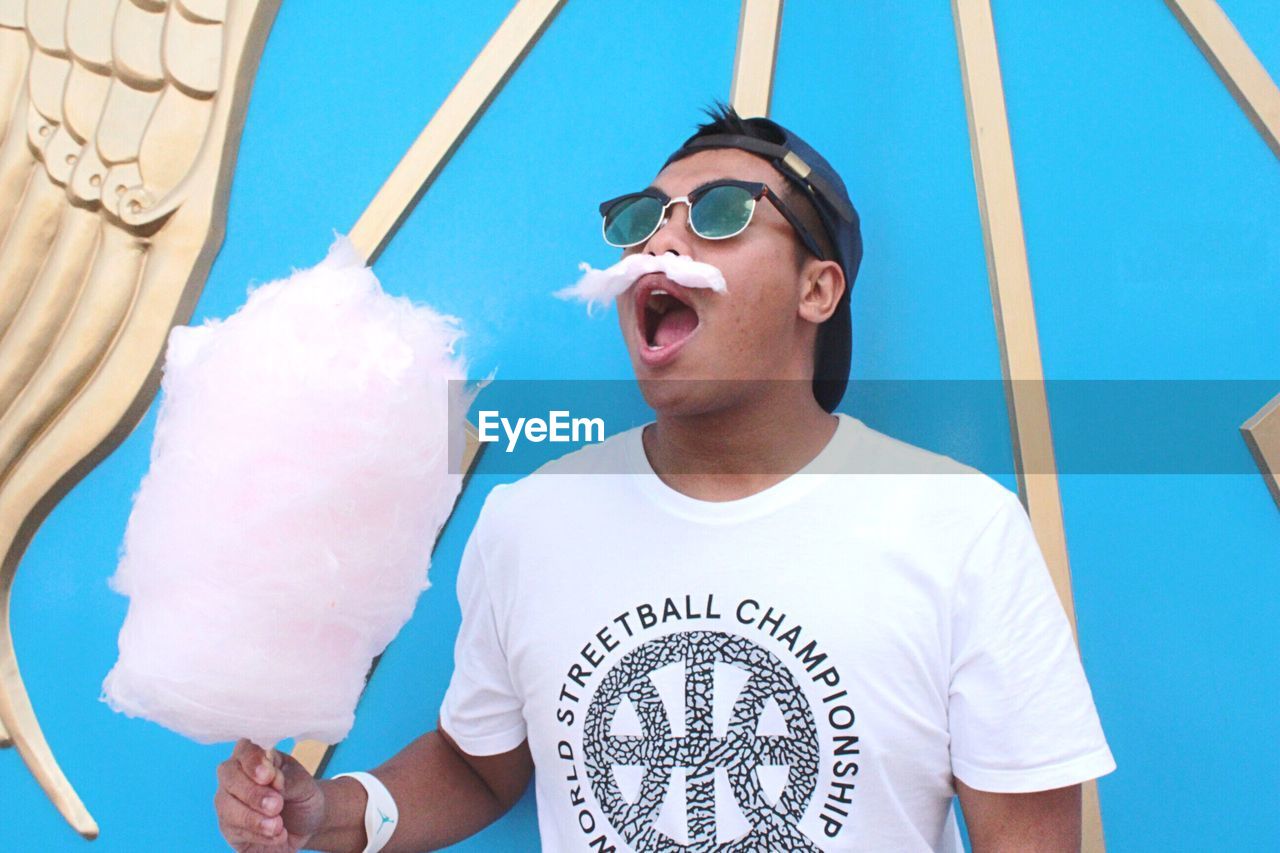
[(698, 187)]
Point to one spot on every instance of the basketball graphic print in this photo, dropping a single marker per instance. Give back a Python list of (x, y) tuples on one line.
[(702, 740)]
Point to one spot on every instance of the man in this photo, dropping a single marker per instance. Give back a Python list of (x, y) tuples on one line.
[(750, 640)]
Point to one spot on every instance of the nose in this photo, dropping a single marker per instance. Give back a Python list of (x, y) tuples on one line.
[(674, 234)]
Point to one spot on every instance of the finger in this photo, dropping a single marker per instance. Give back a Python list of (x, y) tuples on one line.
[(274, 756), (297, 782), (260, 798), (246, 751), (255, 762), (240, 824)]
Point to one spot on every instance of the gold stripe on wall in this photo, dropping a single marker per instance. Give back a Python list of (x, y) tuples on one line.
[(757, 52), (1262, 433), (472, 94), (1010, 281), (1015, 320), (1244, 76)]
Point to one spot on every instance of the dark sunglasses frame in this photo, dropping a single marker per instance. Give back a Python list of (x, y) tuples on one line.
[(757, 191)]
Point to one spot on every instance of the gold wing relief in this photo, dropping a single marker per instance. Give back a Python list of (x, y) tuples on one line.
[(119, 121)]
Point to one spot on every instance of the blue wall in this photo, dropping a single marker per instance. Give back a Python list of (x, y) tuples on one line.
[(1153, 235)]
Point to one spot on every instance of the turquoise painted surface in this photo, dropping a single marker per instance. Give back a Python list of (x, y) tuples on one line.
[(1154, 236), (1152, 227)]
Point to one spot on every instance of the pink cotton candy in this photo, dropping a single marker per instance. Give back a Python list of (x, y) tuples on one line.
[(603, 286), (300, 474)]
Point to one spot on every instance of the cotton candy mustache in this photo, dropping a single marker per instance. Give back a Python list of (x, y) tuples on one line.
[(600, 287)]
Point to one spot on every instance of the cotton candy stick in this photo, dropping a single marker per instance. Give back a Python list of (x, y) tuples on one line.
[(299, 475)]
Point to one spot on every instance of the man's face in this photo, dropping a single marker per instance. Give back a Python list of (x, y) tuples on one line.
[(755, 331)]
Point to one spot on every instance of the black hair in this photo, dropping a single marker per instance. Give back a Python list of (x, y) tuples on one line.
[(724, 119)]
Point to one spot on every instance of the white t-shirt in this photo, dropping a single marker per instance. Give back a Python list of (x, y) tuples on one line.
[(805, 668)]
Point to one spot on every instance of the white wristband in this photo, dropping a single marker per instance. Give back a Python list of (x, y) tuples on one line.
[(380, 814)]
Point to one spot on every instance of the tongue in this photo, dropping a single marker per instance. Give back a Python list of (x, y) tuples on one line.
[(676, 325)]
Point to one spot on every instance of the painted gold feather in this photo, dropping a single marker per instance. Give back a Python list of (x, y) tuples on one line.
[(118, 124)]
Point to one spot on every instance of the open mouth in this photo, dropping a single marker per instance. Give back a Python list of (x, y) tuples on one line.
[(665, 315)]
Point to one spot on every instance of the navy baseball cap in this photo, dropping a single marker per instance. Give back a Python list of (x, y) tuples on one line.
[(810, 173)]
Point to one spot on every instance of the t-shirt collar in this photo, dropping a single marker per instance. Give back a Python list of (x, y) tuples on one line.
[(780, 494)]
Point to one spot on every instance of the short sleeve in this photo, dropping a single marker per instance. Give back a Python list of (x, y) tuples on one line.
[(1021, 713), (481, 710)]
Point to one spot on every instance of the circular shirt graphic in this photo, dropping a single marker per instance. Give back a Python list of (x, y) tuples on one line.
[(765, 729)]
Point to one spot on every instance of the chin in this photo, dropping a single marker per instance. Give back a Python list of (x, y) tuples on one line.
[(673, 395)]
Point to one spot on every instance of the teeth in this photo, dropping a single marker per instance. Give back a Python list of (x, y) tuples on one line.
[(659, 302)]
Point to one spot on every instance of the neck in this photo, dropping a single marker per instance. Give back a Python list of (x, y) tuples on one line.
[(734, 452)]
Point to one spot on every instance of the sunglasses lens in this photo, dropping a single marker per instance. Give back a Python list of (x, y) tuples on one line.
[(722, 212), (631, 220)]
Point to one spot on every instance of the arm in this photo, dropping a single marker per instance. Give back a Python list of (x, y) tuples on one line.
[(444, 795), (1039, 822), (1020, 712), (269, 803)]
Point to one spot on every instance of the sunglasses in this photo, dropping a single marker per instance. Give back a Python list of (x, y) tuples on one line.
[(717, 211)]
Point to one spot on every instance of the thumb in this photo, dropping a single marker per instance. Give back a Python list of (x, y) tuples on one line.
[(292, 780)]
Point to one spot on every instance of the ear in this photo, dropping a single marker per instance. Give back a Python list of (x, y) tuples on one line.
[(821, 286)]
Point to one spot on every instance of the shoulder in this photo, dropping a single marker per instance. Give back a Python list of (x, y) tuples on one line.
[(920, 486), (575, 479)]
